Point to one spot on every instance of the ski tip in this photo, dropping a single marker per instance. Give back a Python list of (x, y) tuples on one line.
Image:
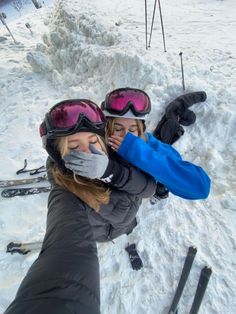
[(207, 270), (4, 194), (192, 249)]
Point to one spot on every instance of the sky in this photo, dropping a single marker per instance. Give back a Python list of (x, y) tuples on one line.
[(83, 49)]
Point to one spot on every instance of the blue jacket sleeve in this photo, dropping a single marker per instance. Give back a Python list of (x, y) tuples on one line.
[(165, 164)]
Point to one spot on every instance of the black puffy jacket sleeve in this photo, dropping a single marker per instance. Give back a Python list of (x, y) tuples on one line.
[(65, 277), (122, 176)]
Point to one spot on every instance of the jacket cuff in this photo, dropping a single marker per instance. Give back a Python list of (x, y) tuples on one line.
[(112, 173), (126, 144)]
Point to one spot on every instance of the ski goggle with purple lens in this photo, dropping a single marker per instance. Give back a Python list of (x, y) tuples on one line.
[(71, 116), (121, 100)]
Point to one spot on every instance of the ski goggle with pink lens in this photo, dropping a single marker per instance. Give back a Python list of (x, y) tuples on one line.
[(121, 100), (71, 116)]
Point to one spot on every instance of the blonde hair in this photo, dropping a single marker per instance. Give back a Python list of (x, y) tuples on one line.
[(110, 125), (92, 192)]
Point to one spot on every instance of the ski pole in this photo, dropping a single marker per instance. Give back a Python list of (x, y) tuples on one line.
[(23, 248), (182, 70), (37, 4), (31, 171), (153, 16), (146, 23), (162, 26), (2, 18), (29, 27)]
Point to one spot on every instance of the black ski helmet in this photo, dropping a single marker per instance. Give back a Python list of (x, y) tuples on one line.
[(66, 118)]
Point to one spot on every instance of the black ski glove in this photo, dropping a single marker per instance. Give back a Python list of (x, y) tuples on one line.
[(178, 109), (161, 193), (135, 259)]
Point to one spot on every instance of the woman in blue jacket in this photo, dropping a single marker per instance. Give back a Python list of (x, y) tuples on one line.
[(126, 110)]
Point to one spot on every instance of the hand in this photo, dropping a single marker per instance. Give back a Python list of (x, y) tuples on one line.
[(115, 141), (87, 165)]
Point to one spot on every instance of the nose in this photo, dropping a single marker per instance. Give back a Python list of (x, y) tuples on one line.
[(85, 149), (124, 132)]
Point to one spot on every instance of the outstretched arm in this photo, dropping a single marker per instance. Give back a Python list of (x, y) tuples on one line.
[(65, 276), (165, 164), (117, 174)]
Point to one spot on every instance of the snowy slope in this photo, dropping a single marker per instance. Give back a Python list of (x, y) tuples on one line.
[(84, 49)]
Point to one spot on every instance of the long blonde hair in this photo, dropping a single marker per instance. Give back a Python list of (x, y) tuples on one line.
[(110, 125), (92, 192)]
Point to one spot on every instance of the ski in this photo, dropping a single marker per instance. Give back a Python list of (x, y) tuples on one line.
[(24, 191), (23, 248), (201, 288), (8, 183), (183, 279)]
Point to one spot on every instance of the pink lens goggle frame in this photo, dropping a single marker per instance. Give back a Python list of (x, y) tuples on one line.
[(69, 115), (121, 100)]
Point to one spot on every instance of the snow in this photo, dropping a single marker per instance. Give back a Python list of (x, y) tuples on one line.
[(85, 49)]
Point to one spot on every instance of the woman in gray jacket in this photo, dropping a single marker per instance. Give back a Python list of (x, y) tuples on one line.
[(107, 188), (93, 198)]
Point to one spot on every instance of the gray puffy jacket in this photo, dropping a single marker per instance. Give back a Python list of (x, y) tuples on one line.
[(128, 187), (118, 216), (64, 279)]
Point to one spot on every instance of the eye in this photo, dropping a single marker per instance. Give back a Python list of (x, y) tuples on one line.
[(118, 129), (93, 142), (75, 147), (132, 130)]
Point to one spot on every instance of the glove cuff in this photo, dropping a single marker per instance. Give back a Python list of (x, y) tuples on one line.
[(130, 248), (112, 172)]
